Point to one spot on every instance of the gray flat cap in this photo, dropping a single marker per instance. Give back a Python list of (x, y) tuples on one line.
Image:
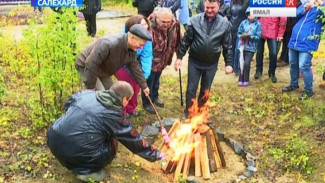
[(140, 31)]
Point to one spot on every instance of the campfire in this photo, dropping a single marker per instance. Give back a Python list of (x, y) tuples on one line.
[(193, 145)]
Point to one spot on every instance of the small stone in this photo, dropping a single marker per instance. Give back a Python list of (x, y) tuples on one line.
[(227, 141), (250, 163), (250, 157), (238, 148), (150, 133), (248, 173), (237, 180), (243, 153), (192, 179), (251, 168), (242, 177)]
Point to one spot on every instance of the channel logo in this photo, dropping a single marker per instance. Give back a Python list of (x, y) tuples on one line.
[(273, 8)]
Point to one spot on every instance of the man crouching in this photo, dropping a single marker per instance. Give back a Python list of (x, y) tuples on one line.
[(84, 139)]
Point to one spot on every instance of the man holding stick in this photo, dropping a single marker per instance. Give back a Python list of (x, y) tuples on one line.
[(205, 35)]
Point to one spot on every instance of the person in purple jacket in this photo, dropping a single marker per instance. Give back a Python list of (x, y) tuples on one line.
[(144, 56), (305, 38)]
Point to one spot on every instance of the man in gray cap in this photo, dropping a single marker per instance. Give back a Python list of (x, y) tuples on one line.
[(99, 61)]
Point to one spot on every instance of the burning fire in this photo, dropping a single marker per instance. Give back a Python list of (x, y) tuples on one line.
[(196, 123)]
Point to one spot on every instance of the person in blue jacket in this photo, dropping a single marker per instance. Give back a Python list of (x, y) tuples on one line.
[(249, 34), (305, 38), (85, 138), (144, 57)]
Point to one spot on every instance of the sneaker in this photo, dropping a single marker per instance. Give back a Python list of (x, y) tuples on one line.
[(149, 109), (290, 88), (98, 176), (159, 103), (246, 83), (306, 95), (240, 83), (258, 75)]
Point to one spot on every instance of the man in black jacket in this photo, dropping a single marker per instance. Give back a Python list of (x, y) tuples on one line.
[(84, 139), (145, 7), (91, 8), (206, 34)]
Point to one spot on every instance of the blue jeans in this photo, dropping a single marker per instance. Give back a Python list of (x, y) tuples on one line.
[(194, 76), (272, 45), (153, 85), (236, 57), (301, 61)]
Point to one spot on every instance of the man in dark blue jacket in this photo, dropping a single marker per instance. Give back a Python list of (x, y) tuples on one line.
[(84, 139), (208, 33), (305, 38)]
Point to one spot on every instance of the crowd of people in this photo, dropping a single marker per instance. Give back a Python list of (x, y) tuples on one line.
[(84, 139)]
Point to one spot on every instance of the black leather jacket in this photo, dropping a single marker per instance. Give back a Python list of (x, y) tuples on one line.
[(206, 48)]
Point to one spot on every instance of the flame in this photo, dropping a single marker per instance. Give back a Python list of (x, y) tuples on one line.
[(196, 123)]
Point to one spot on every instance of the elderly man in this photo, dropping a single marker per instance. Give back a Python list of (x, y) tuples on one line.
[(206, 34), (84, 139), (98, 62), (165, 41)]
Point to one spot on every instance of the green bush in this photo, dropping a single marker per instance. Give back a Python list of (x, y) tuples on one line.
[(294, 157)]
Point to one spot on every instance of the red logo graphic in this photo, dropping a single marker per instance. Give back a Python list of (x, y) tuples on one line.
[(290, 3)]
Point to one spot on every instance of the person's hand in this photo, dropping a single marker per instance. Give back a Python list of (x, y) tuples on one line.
[(309, 5), (229, 69), (177, 64), (318, 2), (279, 38), (146, 91), (162, 156)]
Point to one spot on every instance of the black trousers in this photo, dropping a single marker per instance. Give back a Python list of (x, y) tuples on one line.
[(91, 24), (285, 50), (244, 76)]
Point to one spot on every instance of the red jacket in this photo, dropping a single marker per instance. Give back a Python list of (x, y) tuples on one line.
[(273, 27)]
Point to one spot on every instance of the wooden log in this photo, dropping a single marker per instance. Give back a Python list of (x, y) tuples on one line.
[(204, 158), (187, 160), (220, 151), (211, 154), (197, 152), (215, 150)]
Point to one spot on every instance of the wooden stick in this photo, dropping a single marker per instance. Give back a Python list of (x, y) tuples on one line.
[(197, 139), (187, 160), (204, 158), (220, 151), (215, 150), (211, 154)]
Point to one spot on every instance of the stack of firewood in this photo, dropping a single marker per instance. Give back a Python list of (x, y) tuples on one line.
[(205, 156)]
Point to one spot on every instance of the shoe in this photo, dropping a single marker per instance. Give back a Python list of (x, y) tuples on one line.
[(258, 75), (240, 83), (246, 83), (97, 176), (281, 63), (322, 85), (290, 88), (149, 109), (306, 95), (159, 103), (273, 78)]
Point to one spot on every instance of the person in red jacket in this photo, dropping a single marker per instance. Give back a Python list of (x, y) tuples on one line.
[(272, 31)]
